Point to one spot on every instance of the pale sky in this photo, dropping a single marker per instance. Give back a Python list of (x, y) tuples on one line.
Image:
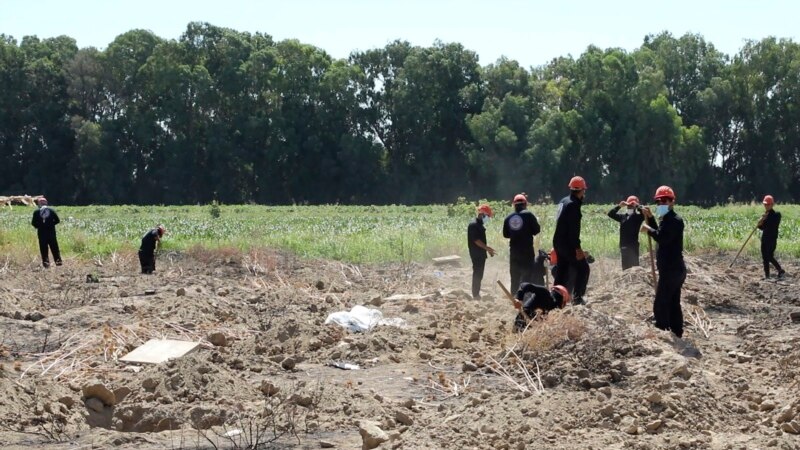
[(532, 32)]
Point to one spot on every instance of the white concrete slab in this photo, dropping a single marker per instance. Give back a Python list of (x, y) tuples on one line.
[(156, 351)]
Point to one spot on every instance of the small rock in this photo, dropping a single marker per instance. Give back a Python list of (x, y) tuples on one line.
[(371, 435), (791, 427), (320, 285), (468, 367), (768, 405), (268, 388), (326, 444), (150, 384), (301, 400), (446, 343), (123, 294), (34, 316), (403, 418), (474, 336), (606, 411), (742, 358), (67, 401), (95, 404), (487, 429), (424, 355), (180, 292), (682, 370), (795, 316), (628, 425), (288, 363), (223, 292), (120, 394), (218, 339), (97, 389), (786, 413), (654, 425), (655, 398), (376, 301), (408, 403)]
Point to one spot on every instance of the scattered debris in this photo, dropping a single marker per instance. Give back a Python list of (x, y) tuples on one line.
[(157, 351)]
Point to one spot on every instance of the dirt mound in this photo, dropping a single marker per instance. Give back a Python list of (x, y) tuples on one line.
[(456, 376)]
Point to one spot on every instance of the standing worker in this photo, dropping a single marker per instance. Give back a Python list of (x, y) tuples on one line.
[(629, 224), (147, 251), (476, 242), (45, 220), (768, 225), (567, 241), (668, 233), (519, 228)]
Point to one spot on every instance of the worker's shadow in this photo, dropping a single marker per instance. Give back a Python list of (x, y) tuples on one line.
[(686, 348)]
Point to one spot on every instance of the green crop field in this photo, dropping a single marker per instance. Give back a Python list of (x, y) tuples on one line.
[(359, 234)]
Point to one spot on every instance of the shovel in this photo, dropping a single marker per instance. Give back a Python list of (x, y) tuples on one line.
[(517, 304), (742, 247)]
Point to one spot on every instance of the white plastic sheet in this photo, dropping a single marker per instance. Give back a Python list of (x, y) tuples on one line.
[(361, 319)]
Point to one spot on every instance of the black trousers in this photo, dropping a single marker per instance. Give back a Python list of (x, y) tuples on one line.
[(148, 261), (521, 272), (768, 256), (667, 306), (572, 274), (49, 242), (630, 256), (478, 264)]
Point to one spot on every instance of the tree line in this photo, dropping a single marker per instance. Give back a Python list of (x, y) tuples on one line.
[(237, 117)]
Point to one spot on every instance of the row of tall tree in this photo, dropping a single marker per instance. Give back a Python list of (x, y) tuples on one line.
[(237, 117)]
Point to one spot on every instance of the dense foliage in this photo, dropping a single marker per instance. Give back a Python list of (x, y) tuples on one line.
[(239, 118)]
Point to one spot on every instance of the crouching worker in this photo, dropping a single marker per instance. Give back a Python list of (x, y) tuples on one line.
[(536, 300), (147, 251)]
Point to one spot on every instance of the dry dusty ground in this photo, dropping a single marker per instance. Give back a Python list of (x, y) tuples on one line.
[(454, 379)]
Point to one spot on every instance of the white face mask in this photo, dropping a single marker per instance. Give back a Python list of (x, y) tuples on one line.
[(630, 211), (485, 220)]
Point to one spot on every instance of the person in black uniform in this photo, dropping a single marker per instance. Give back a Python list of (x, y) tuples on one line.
[(668, 233), (629, 224), (571, 258), (540, 268), (519, 228), (476, 242), (535, 299), (768, 225), (45, 220), (147, 251)]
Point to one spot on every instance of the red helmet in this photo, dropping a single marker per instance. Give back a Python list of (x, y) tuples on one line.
[(486, 209), (161, 230), (632, 200), (553, 257), (577, 184), (41, 201), (520, 199), (664, 192), (563, 292), (768, 200)]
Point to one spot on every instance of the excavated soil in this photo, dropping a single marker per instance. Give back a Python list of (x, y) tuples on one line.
[(598, 376)]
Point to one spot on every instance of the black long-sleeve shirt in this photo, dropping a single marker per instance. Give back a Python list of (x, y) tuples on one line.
[(45, 220), (770, 227), (629, 226), (567, 237), (669, 236), (149, 241), (520, 228), (535, 297), (476, 232)]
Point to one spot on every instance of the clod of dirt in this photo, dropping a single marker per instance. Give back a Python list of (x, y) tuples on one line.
[(326, 444), (682, 370), (468, 367), (371, 434), (403, 418), (96, 389), (180, 292), (218, 339), (288, 363), (268, 388), (34, 316)]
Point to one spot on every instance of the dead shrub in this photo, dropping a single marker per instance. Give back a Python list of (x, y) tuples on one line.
[(214, 255), (548, 331)]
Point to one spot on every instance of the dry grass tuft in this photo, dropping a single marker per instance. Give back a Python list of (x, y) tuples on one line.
[(215, 255), (551, 330)]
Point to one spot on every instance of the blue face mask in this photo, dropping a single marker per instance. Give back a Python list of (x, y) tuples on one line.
[(486, 220), (662, 210)]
